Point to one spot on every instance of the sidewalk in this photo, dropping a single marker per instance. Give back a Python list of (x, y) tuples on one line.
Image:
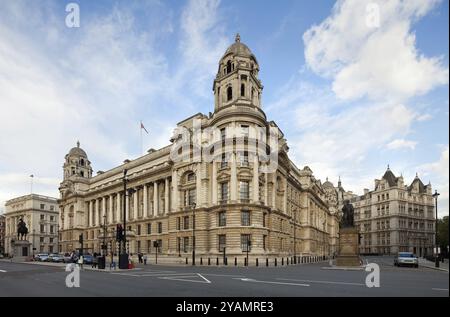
[(86, 267), (443, 266)]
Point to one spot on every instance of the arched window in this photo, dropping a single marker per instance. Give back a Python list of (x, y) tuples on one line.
[(242, 90), (81, 173), (82, 162), (229, 93), (228, 67)]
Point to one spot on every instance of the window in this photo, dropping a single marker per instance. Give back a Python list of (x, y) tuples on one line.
[(242, 90), (245, 218), (52, 218), (222, 242), (222, 219), (185, 244), (42, 228), (51, 240), (139, 230), (42, 206), (229, 94), (191, 197), (178, 244), (178, 223), (264, 219), (244, 158), (244, 190), (160, 227), (245, 131), (223, 134), (160, 244), (224, 162), (190, 177), (51, 229), (264, 242), (246, 242), (42, 217), (149, 228), (224, 191), (41, 239), (149, 246), (52, 208), (186, 222), (228, 67)]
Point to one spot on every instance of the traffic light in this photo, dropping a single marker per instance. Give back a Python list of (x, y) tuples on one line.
[(80, 239), (119, 233)]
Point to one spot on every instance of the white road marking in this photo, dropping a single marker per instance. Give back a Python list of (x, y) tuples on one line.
[(323, 282), (227, 275), (3, 271), (440, 289), (269, 282), (186, 278)]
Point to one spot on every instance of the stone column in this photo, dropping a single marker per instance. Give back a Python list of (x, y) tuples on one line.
[(97, 211), (135, 204), (198, 185), (89, 214), (127, 207), (145, 211), (155, 198), (214, 182), (266, 190), (103, 210), (285, 196), (255, 180), (274, 190), (118, 204), (166, 196), (174, 191), (233, 181), (110, 210)]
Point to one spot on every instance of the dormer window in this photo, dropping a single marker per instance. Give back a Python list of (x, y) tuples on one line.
[(242, 90), (82, 162)]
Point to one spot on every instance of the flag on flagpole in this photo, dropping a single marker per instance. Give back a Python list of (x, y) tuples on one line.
[(31, 175), (142, 127)]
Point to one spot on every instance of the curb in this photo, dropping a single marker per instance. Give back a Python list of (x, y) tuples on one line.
[(433, 268)]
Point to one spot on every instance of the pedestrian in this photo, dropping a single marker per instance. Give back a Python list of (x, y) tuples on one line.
[(94, 261), (145, 259)]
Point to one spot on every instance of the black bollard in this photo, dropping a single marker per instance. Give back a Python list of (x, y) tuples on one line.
[(267, 261), (257, 262), (235, 261), (209, 261), (275, 261), (217, 261), (186, 260), (201, 261), (282, 261)]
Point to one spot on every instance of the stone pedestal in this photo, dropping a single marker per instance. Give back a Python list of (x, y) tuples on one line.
[(348, 247), (21, 250)]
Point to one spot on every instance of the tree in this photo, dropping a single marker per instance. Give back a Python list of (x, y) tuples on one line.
[(442, 234)]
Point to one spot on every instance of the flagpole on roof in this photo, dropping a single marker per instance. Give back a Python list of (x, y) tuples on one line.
[(142, 146), (32, 177)]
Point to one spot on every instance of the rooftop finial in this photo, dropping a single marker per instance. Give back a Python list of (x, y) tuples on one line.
[(417, 175), (327, 178), (238, 38), (388, 166), (78, 143)]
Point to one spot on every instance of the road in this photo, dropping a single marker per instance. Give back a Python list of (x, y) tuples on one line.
[(22, 279)]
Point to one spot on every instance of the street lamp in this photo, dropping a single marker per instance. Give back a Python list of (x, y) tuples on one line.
[(436, 260), (193, 232), (295, 237), (123, 256), (104, 235)]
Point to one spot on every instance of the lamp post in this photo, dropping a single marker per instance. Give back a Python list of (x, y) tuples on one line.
[(104, 249), (436, 260), (193, 233), (295, 236)]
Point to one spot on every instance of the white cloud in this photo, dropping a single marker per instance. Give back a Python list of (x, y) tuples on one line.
[(438, 171), (424, 117), (401, 144), (380, 63), (94, 84)]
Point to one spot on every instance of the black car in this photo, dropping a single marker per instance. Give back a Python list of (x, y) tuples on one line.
[(88, 259)]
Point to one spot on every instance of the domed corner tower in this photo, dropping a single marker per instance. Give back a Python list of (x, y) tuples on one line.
[(77, 164), (237, 78)]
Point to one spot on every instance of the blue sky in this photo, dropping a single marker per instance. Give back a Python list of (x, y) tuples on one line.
[(350, 98)]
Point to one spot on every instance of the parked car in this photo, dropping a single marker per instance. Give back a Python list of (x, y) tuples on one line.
[(55, 258), (406, 258), (41, 257), (88, 259)]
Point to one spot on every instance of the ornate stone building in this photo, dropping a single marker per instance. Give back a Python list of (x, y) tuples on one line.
[(396, 217), (40, 214), (2, 234), (230, 171)]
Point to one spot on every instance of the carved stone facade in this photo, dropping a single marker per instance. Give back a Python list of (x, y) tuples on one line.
[(235, 196)]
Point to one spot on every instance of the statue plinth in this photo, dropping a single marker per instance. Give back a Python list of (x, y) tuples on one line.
[(348, 247), (21, 250)]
